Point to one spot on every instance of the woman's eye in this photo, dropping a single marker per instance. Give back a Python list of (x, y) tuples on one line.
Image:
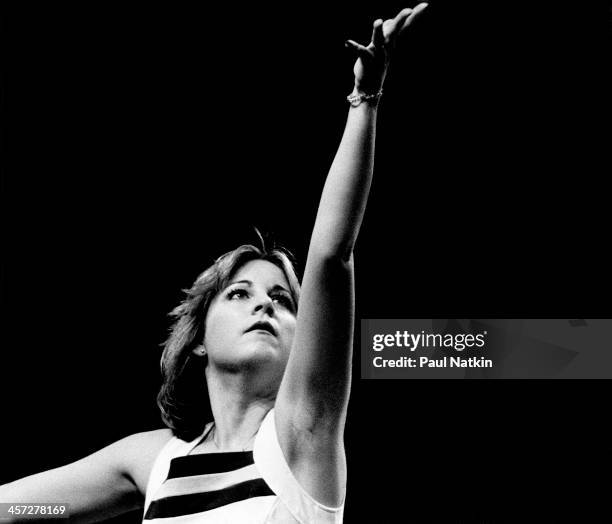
[(284, 300), (239, 293)]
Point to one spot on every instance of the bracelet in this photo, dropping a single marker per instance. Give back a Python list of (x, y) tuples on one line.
[(355, 100)]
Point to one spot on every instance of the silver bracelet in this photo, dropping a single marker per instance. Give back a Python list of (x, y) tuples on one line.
[(355, 100)]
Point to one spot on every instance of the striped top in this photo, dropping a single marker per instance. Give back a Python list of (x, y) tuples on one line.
[(236, 487)]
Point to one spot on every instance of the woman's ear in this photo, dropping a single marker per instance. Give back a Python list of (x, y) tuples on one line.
[(200, 351)]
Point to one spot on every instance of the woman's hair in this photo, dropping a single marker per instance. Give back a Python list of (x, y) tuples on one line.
[(183, 397)]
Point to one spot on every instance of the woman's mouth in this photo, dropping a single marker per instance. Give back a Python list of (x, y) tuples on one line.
[(262, 326)]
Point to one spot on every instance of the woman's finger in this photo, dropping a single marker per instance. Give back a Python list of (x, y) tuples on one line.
[(388, 28), (361, 50), (415, 13), (392, 25), (378, 37)]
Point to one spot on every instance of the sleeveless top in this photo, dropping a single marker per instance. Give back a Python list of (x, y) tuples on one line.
[(255, 487)]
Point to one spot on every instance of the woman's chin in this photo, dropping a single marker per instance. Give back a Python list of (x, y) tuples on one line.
[(262, 353)]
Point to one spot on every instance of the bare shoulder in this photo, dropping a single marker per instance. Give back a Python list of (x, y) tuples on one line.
[(140, 451)]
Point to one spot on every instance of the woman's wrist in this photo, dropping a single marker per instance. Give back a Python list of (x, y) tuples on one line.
[(360, 96), (361, 90)]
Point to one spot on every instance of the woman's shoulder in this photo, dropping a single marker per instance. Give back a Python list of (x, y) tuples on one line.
[(140, 452), (153, 437)]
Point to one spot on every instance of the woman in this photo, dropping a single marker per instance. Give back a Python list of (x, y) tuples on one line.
[(256, 373)]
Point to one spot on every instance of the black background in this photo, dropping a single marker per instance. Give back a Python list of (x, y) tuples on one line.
[(145, 141)]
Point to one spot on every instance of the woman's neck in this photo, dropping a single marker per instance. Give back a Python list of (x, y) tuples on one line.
[(238, 408)]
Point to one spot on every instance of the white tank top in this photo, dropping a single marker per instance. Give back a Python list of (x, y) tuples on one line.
[(255, 487)]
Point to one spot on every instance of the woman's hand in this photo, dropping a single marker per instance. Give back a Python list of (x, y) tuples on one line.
[(371, 65)]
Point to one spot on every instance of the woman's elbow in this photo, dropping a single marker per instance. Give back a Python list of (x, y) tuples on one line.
[(337, 254)]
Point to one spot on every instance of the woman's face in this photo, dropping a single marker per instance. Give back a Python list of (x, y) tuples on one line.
[(252, 321)]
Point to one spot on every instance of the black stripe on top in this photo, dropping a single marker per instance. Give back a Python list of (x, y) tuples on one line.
[(206, 463), (198, 502)]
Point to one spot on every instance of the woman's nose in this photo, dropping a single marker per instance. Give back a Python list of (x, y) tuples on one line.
[(264, 304)]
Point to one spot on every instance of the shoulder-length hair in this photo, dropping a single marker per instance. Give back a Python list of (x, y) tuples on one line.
[(183, 397)]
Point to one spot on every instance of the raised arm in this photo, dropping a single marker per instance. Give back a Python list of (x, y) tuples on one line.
[(346, 189), (312, 401)]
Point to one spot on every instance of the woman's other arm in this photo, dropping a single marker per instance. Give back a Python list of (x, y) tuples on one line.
[(313, 397), (102, 485)]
